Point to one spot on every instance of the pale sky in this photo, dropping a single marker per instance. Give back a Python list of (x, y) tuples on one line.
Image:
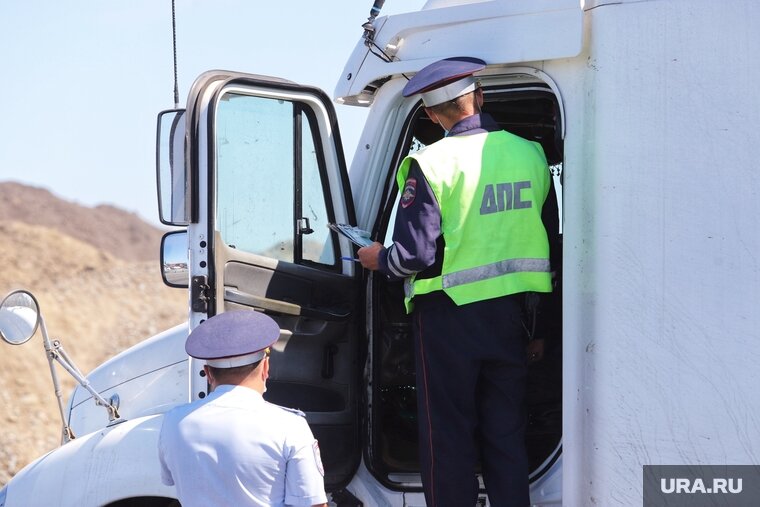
[(83, 80)]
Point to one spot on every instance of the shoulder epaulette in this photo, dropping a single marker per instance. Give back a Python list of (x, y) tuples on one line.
[(288, 409)]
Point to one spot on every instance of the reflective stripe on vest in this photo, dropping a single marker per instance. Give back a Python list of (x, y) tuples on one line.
[(494, 270), (485, 272)]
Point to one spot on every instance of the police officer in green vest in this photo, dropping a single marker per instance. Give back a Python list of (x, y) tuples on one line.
[(469, 243)]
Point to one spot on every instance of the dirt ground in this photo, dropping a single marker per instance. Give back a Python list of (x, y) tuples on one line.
[(96, 276)]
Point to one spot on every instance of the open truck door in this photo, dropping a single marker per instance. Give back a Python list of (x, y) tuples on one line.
[(265, 174)]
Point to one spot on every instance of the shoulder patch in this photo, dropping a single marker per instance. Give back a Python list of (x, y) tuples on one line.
[(318, 458), (409, 193)]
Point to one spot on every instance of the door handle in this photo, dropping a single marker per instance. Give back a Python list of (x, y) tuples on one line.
[(275, 305)]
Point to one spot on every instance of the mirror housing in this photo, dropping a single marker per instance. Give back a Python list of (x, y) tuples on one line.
[(172, 177), (19, 317), (174, 259)]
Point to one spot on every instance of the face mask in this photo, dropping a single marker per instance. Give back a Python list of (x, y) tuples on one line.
[(445, 131)]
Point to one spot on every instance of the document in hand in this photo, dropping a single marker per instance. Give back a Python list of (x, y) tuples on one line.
[(357, 236)]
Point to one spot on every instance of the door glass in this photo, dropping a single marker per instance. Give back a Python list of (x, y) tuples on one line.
[(257, 174), (416, 146), (317, 245)]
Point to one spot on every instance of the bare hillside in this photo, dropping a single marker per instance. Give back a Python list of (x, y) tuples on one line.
[(120, 233), (98, 296)]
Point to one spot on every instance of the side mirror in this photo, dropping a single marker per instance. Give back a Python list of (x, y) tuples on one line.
[(19, 317), (171, 171), (174, 259)]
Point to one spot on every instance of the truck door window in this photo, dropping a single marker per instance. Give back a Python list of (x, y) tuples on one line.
[(317, 245), (415, 146), (269, 195)]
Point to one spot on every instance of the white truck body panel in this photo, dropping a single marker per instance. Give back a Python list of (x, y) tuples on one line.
[(134, 375), (661, 242), (95, 469), (503, 32)]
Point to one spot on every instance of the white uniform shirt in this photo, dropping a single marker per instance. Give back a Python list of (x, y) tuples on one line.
[(232, 448)]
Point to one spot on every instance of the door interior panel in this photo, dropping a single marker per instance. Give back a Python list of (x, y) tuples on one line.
[(319, 294), (314, 369)]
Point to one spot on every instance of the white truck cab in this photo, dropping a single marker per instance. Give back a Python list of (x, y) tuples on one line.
[(651, 332)]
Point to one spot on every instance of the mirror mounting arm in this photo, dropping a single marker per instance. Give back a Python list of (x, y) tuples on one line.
[(20, 317), (68, 434), (56, 352)]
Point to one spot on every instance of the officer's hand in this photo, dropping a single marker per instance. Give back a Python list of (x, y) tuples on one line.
[(368, 255)]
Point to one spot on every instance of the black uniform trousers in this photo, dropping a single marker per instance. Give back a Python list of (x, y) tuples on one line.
[(471, 374)]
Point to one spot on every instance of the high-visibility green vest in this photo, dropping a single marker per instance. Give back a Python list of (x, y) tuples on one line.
[(490, 188)]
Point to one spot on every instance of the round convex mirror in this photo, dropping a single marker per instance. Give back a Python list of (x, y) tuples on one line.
[(19, 317)]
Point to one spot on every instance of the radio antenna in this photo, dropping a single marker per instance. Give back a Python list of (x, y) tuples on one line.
[(174, 50)]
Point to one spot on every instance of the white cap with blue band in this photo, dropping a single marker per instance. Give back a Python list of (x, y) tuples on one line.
[(445, 80), (233, 339)]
